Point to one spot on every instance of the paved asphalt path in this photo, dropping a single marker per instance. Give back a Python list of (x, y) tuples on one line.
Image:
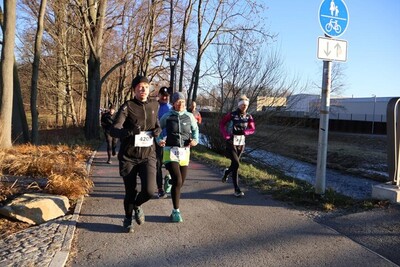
[(218, 229)]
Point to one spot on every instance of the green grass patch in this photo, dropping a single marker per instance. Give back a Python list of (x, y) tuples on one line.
[(284, 188)]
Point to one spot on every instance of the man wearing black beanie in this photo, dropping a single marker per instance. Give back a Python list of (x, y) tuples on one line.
[(137, 125), (139, 79)]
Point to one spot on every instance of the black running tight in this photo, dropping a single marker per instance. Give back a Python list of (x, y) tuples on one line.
[(146, 170), (111, 144), (178, 176), (234, 153)]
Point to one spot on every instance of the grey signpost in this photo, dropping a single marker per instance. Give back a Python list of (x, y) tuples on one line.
[(333, 18)]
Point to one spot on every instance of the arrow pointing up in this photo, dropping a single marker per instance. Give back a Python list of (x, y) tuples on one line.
[(338, 50)]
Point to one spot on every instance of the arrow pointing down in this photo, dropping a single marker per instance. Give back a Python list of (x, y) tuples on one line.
[(327, 51)]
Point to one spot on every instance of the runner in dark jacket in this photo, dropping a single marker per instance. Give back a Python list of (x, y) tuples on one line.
[(107, 121), (234, 126), (164, 107), (136, 125)]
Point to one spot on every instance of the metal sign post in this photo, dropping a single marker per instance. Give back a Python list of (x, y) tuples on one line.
[(323, 129), (333, 19)]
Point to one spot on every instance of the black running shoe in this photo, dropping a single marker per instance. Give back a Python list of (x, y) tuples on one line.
[(161, 193), (238, 193)]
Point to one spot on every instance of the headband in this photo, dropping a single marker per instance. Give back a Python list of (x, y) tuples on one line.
[(244, 101)]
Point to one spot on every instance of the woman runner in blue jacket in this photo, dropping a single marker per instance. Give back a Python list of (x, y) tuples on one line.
[(181, 132)]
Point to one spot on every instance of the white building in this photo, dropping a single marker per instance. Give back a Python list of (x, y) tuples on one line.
[(360, 109), (302, 103)]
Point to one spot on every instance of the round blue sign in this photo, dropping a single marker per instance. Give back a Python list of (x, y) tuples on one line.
[(333, 17)]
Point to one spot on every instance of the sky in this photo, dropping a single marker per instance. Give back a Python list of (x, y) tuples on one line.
[(373, 43)]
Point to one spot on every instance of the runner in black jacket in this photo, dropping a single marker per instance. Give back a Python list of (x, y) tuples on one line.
[(136, 125), (107, 121)]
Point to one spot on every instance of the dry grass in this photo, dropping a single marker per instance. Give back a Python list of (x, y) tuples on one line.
[(57, 166), (62, 167)]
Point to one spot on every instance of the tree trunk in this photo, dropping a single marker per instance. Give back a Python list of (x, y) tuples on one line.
[(149, 37), (84, 88), (93, 99), (35, 74), (20, 129), (69, 99), (196, 79), (94, 21), (61, 36), (7, 65), (182, 45)]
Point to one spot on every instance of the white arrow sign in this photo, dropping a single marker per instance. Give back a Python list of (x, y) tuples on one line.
[(332, 49)]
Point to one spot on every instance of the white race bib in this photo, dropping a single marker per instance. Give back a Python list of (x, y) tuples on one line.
[(239, 140), (144, 139), (179, 153)]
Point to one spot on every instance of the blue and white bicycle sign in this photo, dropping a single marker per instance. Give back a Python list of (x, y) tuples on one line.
[(333, 25), (333, 17)]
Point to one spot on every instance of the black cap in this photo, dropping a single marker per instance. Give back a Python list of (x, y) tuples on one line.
[(164, 91), (139, 79)]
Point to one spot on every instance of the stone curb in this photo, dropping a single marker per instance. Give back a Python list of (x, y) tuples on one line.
[(60, 258)]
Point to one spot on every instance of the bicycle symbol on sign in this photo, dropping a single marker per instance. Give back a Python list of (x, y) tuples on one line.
[(333, 25)]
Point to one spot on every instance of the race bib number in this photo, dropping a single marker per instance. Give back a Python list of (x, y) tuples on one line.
[(144, 139), (239, 140), (177, 154)]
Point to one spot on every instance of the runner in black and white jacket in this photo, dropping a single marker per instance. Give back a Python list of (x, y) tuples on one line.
[(234, 127)]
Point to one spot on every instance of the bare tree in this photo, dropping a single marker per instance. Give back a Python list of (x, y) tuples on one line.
[(7, 64), (218, 18), (244, 69), (93, 16), (183, 43), (20, 131), (35, 73), (338, 79)]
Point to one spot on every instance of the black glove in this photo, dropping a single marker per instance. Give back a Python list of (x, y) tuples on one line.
[(130, 132), (135, 130)]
